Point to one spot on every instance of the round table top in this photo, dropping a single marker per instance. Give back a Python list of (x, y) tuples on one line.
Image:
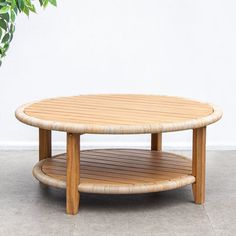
[(118, 114)]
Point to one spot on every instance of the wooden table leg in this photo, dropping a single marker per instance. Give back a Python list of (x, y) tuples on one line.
[(199, 164), (72, 175), (45, 144), (156, 142)]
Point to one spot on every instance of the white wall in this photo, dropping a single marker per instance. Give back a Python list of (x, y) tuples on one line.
[(174, 47)]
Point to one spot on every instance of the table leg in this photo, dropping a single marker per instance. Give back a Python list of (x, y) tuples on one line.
[(45, 144), (199, 164), (156, 142), (72, 175)]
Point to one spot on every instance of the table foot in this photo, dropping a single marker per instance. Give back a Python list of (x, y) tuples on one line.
[(156, 142), (199, 164), (45, 144), (72, 173)]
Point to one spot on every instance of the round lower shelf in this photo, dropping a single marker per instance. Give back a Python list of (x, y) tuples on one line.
[(120, 171)]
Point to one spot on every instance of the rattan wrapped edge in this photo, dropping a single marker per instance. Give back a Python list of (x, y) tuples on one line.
[(114, 189), (118, 129)]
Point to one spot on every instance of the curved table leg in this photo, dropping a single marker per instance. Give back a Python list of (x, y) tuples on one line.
[(45, 144), (156, 142), (72, 173), (199, 164)]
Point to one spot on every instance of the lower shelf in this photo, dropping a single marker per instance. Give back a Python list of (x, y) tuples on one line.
[(120, 171)]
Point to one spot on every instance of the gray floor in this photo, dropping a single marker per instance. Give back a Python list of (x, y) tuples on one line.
[(28, 208)]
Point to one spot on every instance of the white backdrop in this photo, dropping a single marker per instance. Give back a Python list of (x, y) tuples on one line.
[(175, 47)]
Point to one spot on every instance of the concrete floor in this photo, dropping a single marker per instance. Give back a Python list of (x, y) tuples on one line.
[(28, 208)]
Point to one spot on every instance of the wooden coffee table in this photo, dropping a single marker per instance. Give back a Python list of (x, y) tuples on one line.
[(119, 171)]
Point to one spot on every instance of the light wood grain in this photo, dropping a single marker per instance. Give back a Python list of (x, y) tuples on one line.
[(118, 114), (120, 171), (72, 174), (199, 164), (156, 142), (45, 149)]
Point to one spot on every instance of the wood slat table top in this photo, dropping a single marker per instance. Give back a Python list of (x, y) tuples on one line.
[(117, 114)]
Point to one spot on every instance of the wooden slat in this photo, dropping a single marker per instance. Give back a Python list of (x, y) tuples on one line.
[(122, 171), (52, 167), (152, 155), (153, 163), (120, 158), (140, 110), (114, 167)]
